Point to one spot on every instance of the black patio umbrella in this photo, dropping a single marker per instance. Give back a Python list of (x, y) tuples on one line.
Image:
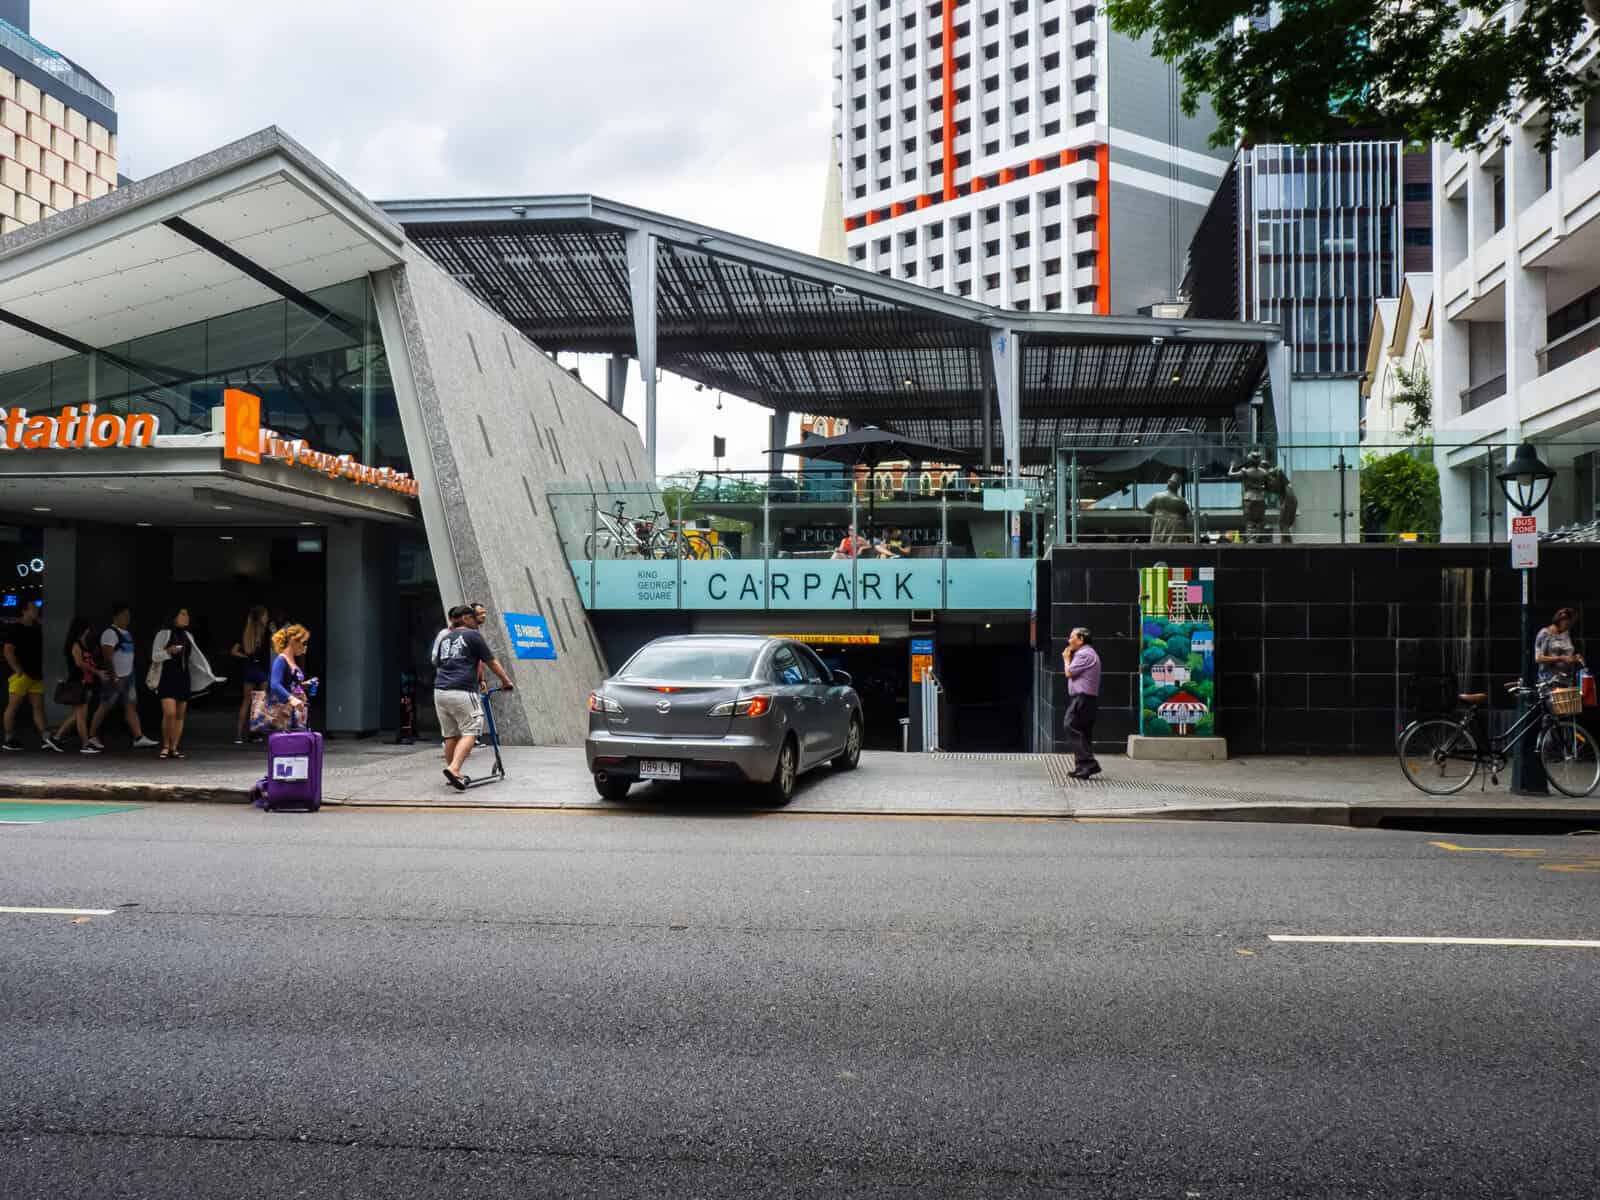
[(870, 447)]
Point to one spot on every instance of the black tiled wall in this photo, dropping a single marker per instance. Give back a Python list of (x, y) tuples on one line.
[(1317, 645)]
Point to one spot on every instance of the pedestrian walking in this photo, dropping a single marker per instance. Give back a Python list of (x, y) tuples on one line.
[(23, 648), (456, 697), (117, 686), (178, 672), (282, 706), (254, 650), (1082, 665), (1553, 652), (80, 682)]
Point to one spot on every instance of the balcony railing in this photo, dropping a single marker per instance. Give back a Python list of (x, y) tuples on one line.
[(1569, 347), (46, 59), (1480, 394)]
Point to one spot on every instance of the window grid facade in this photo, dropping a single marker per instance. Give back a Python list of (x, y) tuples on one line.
[(1320, 229), (1005, 200)]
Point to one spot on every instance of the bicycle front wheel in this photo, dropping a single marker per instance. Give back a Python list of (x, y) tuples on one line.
[(1567, 753), (1438, 757)]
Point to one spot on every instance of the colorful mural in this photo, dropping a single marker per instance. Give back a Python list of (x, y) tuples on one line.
[(1177, 662)]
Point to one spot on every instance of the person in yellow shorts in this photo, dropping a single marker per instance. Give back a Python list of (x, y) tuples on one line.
[(24, 654)]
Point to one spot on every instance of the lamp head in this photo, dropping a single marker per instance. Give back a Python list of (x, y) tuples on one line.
[(1526, 479)]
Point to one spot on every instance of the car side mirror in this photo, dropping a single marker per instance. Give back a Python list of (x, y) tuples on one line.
[(842, 679)]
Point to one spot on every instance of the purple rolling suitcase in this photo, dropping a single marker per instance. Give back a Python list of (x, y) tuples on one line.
[(294, 771)]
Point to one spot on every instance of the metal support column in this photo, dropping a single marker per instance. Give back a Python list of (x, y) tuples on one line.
[(616, 381), (1007, 353), (1074, 500), (642, 286), (777, 435)]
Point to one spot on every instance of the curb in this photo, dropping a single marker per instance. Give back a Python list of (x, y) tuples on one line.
[(126, 793), (1360, 815), (1352, 816)]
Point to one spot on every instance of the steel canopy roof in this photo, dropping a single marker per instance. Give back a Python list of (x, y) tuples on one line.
[(803, 334)]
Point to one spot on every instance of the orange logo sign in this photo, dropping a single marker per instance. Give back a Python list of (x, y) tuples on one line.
[(241, 413)]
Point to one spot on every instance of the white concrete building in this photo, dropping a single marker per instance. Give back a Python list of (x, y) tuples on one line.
[(1399, 346), (1017, 152), (1517, 317)]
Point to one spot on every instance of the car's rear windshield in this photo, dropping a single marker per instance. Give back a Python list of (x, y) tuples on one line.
[(693, 663)]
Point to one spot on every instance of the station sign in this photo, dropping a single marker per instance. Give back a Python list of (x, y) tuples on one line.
[(75, 428), (245, 440)]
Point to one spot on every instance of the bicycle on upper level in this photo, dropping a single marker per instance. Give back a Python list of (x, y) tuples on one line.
[(617, 535), (1442, 755)]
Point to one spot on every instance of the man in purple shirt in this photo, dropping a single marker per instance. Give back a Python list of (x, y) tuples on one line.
[(1082, 667)]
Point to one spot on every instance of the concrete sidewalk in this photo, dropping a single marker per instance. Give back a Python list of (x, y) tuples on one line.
[(1337, 791)]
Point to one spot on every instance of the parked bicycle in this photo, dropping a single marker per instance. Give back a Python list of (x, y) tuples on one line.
[(1442, 755), (621, 536)]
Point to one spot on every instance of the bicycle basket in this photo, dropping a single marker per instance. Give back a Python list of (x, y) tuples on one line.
[(1566, 702)]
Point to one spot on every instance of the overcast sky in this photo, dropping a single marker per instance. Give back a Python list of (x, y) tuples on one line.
[(718, 111)]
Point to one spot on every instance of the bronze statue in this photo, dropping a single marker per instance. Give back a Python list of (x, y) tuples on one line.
[(1169, 513), (1255, 480), (1288, 503)]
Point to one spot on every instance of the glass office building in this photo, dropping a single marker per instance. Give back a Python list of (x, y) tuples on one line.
[(1320, 240)]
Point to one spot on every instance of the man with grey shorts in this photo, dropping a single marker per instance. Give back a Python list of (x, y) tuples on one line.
[(456, 697)]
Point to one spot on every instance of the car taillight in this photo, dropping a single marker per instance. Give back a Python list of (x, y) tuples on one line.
[(748, 706), (599, 702)]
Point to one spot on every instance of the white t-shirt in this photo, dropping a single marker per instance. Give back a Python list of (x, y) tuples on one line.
[(122, 654)]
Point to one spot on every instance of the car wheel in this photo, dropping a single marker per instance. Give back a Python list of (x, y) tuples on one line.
[(781, 790), (612, 788), (851, 758)]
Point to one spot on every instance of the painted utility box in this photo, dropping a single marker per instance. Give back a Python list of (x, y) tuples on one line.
[(1178, 643)]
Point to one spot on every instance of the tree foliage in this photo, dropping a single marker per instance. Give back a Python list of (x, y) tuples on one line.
[(1430, 70), (1416, 393), (1400, 494)]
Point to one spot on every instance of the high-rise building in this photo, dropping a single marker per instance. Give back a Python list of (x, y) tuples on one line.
[(58, 127), (1016, 151), (1311, 236)]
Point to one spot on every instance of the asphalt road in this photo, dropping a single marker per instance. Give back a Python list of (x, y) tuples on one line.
[(391, 1003)]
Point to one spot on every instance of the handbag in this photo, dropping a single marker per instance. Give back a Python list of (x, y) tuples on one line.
[(71, 692), (1587, 687), (268, 717), (152, 677)]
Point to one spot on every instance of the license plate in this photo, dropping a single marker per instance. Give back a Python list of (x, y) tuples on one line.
[(660, 768)]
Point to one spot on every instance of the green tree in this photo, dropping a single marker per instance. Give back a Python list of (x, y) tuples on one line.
[(1207, 724), (1178, 647), (1416, 393), (1400, 493), (1432, 70), (1196, 663)]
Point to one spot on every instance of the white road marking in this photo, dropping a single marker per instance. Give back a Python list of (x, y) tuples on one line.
[(62, 912), (1340, 939)]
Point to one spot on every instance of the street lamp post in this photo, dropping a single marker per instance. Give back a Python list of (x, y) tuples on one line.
[(1526, 483)]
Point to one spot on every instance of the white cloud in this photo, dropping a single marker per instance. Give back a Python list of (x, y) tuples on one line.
[(718, 111)]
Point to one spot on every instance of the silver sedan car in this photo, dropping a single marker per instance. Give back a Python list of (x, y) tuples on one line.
[(721, 708)]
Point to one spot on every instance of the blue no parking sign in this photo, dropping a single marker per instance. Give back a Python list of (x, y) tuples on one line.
[(530, 636)]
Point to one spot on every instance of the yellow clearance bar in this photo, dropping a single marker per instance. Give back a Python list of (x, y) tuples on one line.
[(831, 639)]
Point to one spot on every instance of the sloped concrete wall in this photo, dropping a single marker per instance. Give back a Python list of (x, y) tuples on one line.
[(496, 420)]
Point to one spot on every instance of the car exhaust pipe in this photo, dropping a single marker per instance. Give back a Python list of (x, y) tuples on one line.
[(600, 777)]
